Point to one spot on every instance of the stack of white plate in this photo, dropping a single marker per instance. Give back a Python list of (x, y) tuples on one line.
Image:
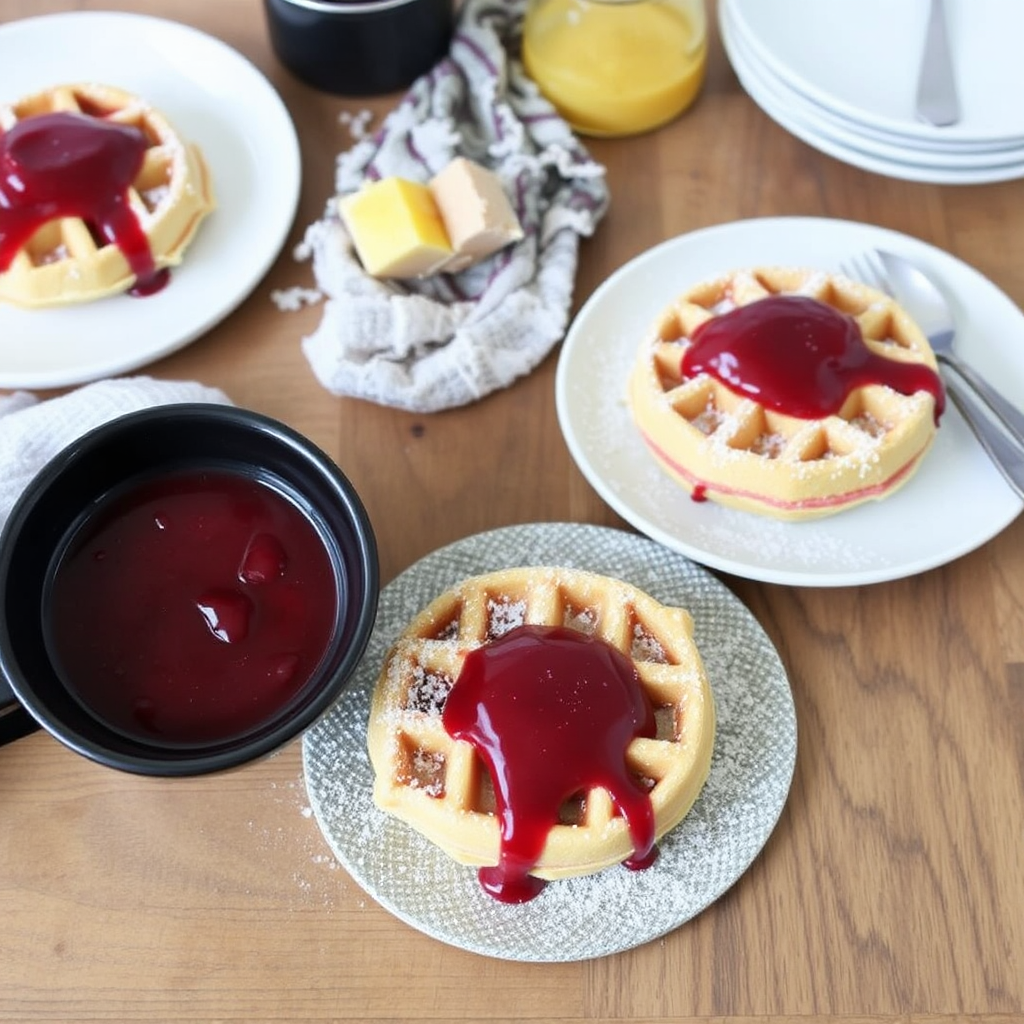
[(841, 75)]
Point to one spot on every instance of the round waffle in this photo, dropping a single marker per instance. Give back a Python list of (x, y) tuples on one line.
[(442, 787), (67, 259), (726, 444)]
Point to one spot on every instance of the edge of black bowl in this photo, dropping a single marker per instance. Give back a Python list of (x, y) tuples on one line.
[(161, 761)]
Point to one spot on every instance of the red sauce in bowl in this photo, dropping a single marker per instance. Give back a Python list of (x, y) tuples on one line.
[(192, 609)]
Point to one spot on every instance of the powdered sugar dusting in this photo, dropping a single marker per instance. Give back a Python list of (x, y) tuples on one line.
[(504, 614), (428, 692), (873, 542), (304, 847), (582, 619)]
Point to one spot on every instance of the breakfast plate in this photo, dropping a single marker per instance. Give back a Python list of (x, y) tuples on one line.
[(616, 909), (826, 131), (214, 97), (867, 69), (955, 502)]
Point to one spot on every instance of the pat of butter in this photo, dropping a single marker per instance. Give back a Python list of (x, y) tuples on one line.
[(476, 212), (396, 229)]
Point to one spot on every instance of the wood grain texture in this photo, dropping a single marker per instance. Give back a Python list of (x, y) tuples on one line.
[(892, 889)]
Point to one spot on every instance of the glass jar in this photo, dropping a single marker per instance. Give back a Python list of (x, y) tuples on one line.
[(616, 67)]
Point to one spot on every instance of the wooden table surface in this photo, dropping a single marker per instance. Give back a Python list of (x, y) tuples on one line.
[(893, 885)]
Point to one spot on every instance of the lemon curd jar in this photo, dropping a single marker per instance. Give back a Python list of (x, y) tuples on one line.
[(616, 67)]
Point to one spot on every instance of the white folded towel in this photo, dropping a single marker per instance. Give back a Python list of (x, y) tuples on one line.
[(32, 431), (448, 340)]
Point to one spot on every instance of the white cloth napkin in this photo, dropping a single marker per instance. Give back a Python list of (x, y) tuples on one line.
[(32, 431), (448, 340)]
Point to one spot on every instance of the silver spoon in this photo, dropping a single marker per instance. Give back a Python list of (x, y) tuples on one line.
[(923, 301), (914, 290)]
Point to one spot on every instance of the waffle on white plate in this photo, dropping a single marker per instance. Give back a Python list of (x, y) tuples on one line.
[(726, 444), (74, 257)]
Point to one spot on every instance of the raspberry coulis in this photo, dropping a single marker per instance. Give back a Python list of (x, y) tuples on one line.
[(551, 712), (66, 164), (192, 608), (798, 356)]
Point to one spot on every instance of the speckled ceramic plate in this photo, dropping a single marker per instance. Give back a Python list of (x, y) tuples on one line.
[(617, 909)]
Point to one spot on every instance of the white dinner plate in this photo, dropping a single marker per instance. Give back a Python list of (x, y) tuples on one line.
[(955, 502), (214, 97), (616, 909), (841, 139), (927, 141), (861, 58)]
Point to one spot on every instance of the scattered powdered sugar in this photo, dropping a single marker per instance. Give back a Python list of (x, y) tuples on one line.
[(709, 419), (751, 768), (646, 646), (153, 197), (799, 547), (608, 368), (428, 692), (870, 425), (304, 846), (427, 772), (582, 619), (771, 446), (54, 255), (814, 284), (504, 614)]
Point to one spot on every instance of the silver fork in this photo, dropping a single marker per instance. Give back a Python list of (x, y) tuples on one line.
[(996, 428)]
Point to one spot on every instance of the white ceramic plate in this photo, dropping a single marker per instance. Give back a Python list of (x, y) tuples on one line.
[(613, 910), (839, 138), (929, 141), (214, 97), (955, 502), (860, 58)]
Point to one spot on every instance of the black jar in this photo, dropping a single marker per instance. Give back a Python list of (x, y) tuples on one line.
[(359, 47)]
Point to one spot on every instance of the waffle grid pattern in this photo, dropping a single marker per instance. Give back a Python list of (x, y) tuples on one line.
[(742, 454), (440, 786), (65, 261)]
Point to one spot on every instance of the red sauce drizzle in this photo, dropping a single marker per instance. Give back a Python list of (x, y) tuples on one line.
[(73, 165), (551, 712), (192, 608), (798, 356)]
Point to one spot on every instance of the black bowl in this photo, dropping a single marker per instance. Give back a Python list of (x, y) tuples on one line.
[(359, 47), (169, 443)]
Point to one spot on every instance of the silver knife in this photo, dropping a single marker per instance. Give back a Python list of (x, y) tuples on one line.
[(937, 100)]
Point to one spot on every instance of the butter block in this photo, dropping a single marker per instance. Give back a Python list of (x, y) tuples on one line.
[(476, 212), (396, 228)]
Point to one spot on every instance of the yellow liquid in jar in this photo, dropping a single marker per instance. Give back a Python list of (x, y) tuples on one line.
[(615, 68)]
